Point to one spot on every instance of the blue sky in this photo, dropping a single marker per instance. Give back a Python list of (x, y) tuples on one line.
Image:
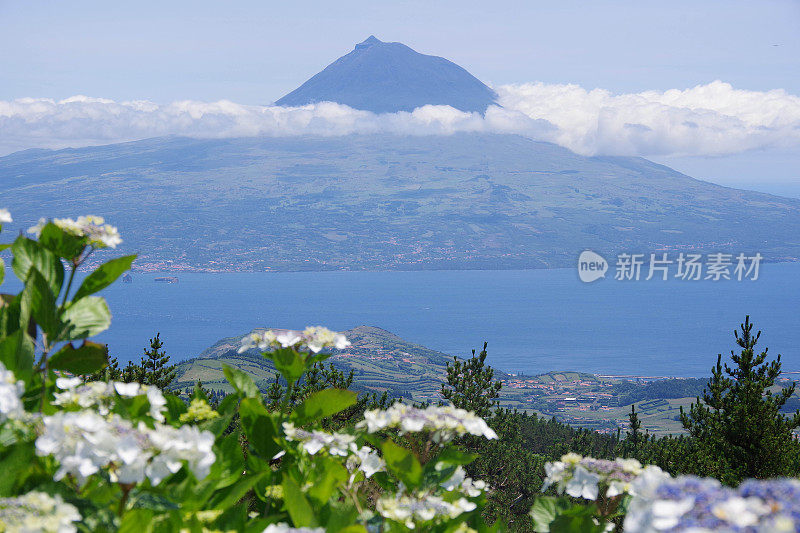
[(253, 52)]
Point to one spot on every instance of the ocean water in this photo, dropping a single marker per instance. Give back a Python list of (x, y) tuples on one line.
[(534, 320)]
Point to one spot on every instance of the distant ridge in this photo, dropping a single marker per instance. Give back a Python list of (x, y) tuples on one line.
[(389, 202), (380, 360), (389, 77)]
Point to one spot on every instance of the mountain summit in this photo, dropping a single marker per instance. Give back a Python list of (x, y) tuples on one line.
[(388, 77)]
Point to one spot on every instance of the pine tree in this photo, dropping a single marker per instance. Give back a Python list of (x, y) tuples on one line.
[(634, 434), (275, 394), (470, 384), (132, 372), (110, 373), (199, 392), (155, 366), (738, 428)]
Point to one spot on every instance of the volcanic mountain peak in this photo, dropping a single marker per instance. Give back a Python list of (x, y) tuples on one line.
[(388, 77)]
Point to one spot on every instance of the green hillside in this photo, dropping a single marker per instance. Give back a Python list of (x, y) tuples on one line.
[(381, 360)]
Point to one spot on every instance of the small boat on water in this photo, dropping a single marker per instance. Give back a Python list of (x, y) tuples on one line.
[(167, 279)]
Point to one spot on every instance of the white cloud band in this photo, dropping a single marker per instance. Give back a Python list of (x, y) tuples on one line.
[(712, 119)]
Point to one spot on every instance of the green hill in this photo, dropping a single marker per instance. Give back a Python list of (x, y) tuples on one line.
[(381, 361)]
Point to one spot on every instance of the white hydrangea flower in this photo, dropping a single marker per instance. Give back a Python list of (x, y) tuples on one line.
[(175, 445), (555, 474), (37, 512), (314, 441), (5, 216), (583, 484), (68, 383), (101, 395), (11, 390), (412, 510), (84, 442), (444, 422), (582, 477), (93, 228), (364, 458), (283, 527), (288, 339), (263, 341), (461, 483), (369, 460), (315, 338)]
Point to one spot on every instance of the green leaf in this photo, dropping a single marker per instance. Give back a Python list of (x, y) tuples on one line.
[(456, 457), (558, 515), (16, 461), (323, 403), (15, 313), (230, 462), (228, 405), (259, 427), (355, 528), (28, 253), (544, 511), (402, 463), (175, 407), (60, 242), (577, 519), (342, 518), (241, 382), (86, 359), (16, 353), (104, 276), (234, 493), (2, 270), (137, 521), (329, 474), (296, 503), (42, 304), (289, 363), (85, 318)]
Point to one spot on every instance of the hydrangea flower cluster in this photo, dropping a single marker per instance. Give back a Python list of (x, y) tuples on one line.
[(583, 477), (10, 393), (85, 442), (461, 483), (38, 512), (365, 458), (315, 338), (199, 411), (687, 503), (444, 422), (5, 216), (422, 508), (101, 395), (314, 441), (90, 227)]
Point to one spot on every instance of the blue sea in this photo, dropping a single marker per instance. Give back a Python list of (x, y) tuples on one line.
[(534, 320)]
